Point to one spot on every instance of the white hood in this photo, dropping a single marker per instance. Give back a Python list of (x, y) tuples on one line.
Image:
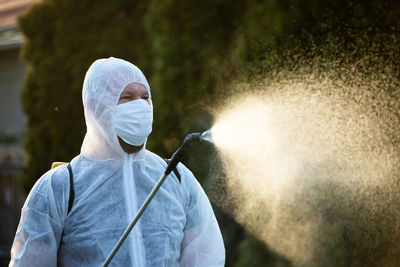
[(102, 87)]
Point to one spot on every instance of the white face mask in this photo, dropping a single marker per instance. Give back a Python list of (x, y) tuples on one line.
[(133, 121)]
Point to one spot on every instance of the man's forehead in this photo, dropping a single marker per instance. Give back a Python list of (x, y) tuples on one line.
[(135, 87)]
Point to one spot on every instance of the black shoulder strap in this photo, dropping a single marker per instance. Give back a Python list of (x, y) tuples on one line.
[(175, 170), (71, 188)]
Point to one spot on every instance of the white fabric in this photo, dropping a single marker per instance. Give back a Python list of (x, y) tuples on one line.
[(177, 229), (133, 121)]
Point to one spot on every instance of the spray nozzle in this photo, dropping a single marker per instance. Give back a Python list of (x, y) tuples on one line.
[(207, 136)]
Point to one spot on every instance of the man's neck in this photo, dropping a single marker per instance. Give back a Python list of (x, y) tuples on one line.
[(129, 148)]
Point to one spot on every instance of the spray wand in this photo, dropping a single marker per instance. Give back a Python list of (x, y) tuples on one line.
[(176, 158)]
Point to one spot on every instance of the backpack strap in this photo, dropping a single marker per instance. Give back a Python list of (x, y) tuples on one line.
[(175, 170), (71, 183), (71, 188)]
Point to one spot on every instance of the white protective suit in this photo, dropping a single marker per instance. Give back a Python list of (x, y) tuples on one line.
[(177, 229)]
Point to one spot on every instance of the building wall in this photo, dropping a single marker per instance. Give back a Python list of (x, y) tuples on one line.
[(12, 118)]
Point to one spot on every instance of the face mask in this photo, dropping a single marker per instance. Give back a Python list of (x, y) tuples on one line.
[(133, 121)]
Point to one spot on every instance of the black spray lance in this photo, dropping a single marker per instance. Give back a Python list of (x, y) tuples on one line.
[(176, 158)]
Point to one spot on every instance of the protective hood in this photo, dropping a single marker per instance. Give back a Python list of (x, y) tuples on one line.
[(102, 87)]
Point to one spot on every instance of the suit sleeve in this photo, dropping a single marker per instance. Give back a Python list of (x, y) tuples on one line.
[(202, 244), (40, 228)]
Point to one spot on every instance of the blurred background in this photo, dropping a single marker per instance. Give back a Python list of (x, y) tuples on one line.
[(190, 52)]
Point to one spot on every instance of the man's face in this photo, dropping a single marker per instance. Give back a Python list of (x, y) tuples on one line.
[(133, 91)]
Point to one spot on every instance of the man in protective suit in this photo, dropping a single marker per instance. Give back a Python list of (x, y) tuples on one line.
[(112, 176)]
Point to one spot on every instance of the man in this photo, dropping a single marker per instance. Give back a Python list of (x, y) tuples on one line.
[(112, 176)]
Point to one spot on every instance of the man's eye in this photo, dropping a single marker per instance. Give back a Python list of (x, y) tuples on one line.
[(146, 97)]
